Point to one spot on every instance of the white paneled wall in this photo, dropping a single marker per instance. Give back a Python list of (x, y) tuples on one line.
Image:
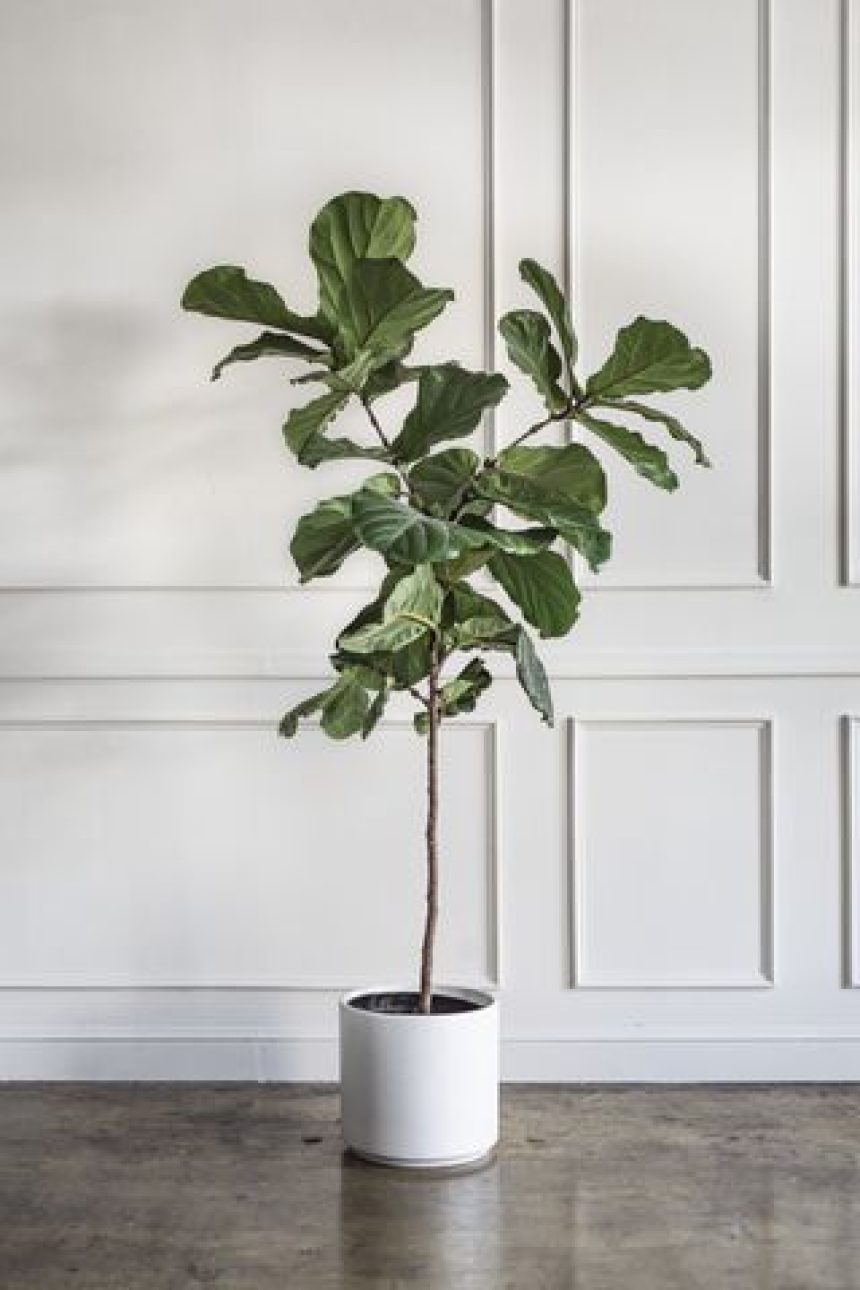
[(664, 886)]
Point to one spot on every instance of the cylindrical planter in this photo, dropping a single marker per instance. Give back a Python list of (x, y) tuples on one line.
[(420, 1090)]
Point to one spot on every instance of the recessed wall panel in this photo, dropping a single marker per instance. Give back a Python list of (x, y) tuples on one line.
[(149, 855), (668, 220), (671, 854)]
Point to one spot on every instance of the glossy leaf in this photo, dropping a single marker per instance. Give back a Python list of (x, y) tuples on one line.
[(552, 298), (564, 488), (412, 609), (357, 226), (440, 480), (647, 459), (571, 472), (527, 337), (379, 307), (450, 404), (542, 587), (403, 534), (650, 356), (270, 344), (226, 291), (324, 538)]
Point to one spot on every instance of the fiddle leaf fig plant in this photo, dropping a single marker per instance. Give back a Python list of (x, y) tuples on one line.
[(434, 509)]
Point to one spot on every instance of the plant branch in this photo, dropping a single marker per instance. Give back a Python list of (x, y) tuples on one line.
[(385, 441)]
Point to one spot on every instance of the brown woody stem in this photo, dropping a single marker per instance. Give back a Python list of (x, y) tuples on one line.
[(425, 993)]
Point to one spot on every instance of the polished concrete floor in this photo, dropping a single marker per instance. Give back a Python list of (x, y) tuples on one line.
[(171, 1187)]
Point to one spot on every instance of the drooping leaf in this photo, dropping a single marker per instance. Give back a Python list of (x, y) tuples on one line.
[(318, 448), (380, 305), (480, 623), (270, 344), (460, 695), (357, 226), (649, 356), (672, 424), (345, 712), (440, 480), (324, 538), (532, 676), (226, 291), (551, 296), (343, 708), (527, 337), (450, 404), (304, 423), (647, 459), (542, 587)]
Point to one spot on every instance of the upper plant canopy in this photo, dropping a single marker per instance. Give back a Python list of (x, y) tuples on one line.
[(435, 513)]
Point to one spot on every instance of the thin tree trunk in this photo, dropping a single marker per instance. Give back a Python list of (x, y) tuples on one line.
[(425, 994)]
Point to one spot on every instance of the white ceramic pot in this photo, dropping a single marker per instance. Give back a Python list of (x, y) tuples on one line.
[(420, 1090)]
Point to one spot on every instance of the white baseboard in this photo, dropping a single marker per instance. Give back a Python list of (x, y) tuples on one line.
[(231, 1057)]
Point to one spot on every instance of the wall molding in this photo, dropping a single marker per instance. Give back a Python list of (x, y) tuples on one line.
[(265, 1055), (492, 916), (850, 884), (579, 977), (764, 577)]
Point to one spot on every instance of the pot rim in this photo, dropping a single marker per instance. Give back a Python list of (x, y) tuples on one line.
[(486, 1002)]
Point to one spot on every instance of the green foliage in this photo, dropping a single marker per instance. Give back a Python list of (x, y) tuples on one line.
[(450, 404), (527, 337), (438, 516)]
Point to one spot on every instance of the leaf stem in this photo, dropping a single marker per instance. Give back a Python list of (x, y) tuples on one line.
[(386, 443)]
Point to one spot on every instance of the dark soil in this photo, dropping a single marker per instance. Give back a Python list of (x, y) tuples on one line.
[(406, 1003)]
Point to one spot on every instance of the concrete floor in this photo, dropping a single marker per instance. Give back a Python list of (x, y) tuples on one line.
[(171, 1187)]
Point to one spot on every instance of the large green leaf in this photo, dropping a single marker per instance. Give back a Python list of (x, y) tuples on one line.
[(270, 344), (324, 538), (412, 609), (527, 337), (358, 226), (450, 404), (543, 588), (672, 424), (379, 307), (343, 708), (405, 535), (440, 480), (460, 695), (650, 355), (571, 472), (551, 296), (646, 459), (564, 488), (226, 291)]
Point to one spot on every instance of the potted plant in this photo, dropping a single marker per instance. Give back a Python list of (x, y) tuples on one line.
[(419, 1067)]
